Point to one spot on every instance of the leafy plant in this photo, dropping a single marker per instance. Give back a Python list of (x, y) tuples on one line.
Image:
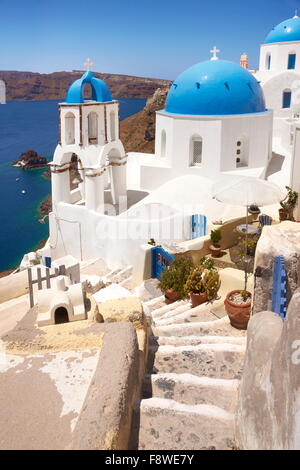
[(246, 244), (152, 242), (289, 203), (207, 263), (175, 276), (215, 236), (203, 280)]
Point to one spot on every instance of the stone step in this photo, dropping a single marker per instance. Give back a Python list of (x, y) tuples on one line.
[(153, 304), (110, 276), (200, 313), (166, 424), (192, 390), (220, 327), (194, 340), (220, 360), (127, 283), (173, 312), (168, 308), (148, 290), (121, 275)]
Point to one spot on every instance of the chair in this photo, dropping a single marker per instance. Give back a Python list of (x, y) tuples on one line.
[(265, 220)]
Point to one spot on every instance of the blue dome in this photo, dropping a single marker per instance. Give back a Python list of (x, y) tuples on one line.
[(287, 31), (214, 88), (100, 91)]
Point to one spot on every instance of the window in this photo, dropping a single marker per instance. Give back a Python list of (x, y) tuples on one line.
[(93, 128), (287, 98), (196, 146), (268, 61), (242, 152), (292, 61), (112, 125), (70, 129), (163, 144)]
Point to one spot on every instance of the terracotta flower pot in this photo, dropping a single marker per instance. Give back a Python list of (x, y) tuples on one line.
[(239, 314), (215, 251), (198, 299), (170, 296), (282, 215)]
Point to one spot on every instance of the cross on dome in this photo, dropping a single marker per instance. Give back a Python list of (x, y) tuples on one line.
[(88, 64), (214, 51), (296, 14)]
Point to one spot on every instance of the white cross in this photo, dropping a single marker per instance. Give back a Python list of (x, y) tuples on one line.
[(214, 51), (88, 64)]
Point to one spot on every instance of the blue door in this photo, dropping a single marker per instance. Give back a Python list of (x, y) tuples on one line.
[(198, 226), (48, 261), (287, 98), (161, 259)]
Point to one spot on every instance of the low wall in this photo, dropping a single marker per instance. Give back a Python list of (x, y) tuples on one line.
[(13, 286), (105, 422), (229, 239), (268, 415)]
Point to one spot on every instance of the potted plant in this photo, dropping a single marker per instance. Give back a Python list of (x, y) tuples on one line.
[(254, 210), (286, 212), (238, 302), (203, 282), (215, 248), (174, 278)]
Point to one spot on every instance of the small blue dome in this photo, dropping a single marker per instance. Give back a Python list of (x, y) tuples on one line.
[(100, 91), (214, 88), (287, 31)]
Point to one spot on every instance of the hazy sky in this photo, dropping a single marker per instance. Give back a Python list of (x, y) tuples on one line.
[(147, 37)]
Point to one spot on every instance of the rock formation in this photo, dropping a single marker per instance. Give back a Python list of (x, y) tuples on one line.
[(268, 414), (276, 240), (137, 132), (30, 160)]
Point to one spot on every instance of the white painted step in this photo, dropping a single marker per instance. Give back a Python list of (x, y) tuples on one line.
[(194, 340), (169, 425), (168, 308), (192, 390), (152, 304), (201, 313), (220, 360), (121, 275), (220, 327)]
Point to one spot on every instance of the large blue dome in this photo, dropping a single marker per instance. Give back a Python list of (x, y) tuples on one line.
[(214, 88), (100, 91), (287, 31)]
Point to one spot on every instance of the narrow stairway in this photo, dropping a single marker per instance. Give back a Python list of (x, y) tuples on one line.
[(190, 390)]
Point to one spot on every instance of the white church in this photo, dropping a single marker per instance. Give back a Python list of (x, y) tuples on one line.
[(220, 118)]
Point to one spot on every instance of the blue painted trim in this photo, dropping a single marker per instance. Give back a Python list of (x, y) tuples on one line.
[(160, 260), (279, 299), (198, 226)]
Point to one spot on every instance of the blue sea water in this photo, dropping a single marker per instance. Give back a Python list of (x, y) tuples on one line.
[(29, 125)]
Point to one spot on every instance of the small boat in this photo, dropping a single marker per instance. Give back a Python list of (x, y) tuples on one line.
[(23, 191), (17, 179)]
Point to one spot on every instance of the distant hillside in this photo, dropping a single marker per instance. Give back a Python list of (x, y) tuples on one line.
[(137, 132), (37, 86)]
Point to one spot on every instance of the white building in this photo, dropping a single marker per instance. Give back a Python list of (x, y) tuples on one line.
[(215, 122), (279, 76)]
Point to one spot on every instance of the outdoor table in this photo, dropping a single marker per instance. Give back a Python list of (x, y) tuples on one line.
[(250, 229)]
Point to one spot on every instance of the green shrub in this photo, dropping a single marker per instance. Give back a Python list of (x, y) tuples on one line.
[(175, 276), (203, 280), (215, 236)]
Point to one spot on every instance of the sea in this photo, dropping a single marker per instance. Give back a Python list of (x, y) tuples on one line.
[(28, 125)]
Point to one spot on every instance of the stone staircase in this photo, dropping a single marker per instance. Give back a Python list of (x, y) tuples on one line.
[(190, 390)]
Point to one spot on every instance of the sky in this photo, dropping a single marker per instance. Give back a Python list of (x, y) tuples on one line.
[(149, 38)]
